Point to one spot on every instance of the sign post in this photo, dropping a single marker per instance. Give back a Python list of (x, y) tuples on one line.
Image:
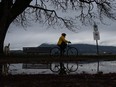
[(96, 37)]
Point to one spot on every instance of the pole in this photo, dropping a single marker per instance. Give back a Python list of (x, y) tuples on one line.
[(97, 54), (97, 47), (96, 37)]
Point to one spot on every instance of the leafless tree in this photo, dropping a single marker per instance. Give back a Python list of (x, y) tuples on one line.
[(47, 11)]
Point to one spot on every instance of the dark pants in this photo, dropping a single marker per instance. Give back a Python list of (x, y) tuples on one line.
[(62, 50), (62, 47)]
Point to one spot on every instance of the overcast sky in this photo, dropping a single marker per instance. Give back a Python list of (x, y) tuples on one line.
[(37, 34)]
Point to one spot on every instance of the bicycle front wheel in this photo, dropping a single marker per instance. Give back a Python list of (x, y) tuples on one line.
[(55, 67), (72, 51), (72, 67)]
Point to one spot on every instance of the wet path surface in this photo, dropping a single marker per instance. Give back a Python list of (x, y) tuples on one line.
[(90, 67)]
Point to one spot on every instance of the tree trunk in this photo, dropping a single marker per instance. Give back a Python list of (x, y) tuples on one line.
[(9, 14), (3, 31), (4, 24)]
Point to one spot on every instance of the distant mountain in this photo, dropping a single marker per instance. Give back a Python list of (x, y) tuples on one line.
[(88, 48), (47, 45)]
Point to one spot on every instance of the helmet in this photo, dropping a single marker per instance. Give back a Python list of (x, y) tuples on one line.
[(63, 34)]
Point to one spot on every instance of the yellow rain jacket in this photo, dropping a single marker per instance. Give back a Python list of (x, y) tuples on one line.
[(62, 39)]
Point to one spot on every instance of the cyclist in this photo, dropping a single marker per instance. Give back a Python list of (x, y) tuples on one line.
[(62, 42)]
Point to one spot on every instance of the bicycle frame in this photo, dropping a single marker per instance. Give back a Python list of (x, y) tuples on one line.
[(69, 50)]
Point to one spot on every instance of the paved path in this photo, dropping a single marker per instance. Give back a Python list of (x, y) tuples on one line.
[(49, 59), (49, 80)]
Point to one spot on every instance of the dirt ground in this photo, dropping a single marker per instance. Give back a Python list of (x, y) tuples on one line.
[(52, 80)]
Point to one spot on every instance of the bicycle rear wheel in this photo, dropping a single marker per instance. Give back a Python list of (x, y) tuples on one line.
[(72, 51), (55, 51), (72, 67), (55, 67)]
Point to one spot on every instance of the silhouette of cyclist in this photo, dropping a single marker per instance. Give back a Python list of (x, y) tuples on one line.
[(62, 42)]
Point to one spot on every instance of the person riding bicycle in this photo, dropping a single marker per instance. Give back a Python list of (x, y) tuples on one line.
[(62, 42)]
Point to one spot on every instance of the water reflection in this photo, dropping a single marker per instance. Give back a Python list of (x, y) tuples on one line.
[(87, 67)]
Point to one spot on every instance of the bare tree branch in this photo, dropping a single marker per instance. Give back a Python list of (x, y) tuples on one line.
[(88, 11), (52, 17)]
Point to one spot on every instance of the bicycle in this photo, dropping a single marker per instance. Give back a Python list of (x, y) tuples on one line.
[(69, 67), (69, 51)]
